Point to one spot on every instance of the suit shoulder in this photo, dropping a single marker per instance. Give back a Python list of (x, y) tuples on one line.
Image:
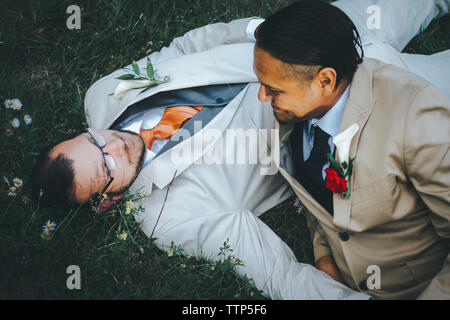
[(401, 87), (398, 77)]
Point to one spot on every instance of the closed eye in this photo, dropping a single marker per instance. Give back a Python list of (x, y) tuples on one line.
[(102, 168), (272, 91)]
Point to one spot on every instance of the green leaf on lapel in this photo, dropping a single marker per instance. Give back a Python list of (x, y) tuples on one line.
[(150, 71), (350, 167), (125, 77), (336, 165), (346, 193), (136, 68), (145, 89)]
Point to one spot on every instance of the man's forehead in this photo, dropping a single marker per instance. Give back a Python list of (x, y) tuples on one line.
[(84, 163), (259, 60), (267, 68)]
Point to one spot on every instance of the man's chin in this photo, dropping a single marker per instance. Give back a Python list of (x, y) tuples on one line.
[(138, 165), (282, 117), (286, 118)]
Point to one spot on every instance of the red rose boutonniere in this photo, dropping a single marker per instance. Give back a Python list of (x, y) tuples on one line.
[(334, 182), (339, 173)]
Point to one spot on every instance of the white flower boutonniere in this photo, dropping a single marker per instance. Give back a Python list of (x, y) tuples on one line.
[(343, 140), (136, 80), (339, 173)]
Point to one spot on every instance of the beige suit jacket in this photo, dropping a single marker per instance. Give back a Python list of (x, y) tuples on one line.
[(397, 217)]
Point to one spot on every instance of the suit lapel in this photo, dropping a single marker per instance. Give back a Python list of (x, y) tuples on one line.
[(162, 169), (359, 105), (225, 64), (357, 110)]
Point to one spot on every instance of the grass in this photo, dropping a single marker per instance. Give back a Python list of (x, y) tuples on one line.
[(49, 68)]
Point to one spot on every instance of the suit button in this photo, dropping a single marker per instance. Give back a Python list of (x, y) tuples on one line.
[(343, 236), (363, 285), (219, 100)]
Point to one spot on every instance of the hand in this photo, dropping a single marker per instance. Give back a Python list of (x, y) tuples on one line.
[(327, 265)]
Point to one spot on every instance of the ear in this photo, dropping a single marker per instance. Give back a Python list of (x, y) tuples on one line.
[(326, 80), (108, 202)]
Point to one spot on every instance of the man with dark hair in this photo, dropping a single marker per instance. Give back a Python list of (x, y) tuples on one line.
[(364, 145), (54, 175), (211, 199), (69, 180)]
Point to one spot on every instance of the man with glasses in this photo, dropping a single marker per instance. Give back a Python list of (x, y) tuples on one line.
[(209, 201), (110, 164)]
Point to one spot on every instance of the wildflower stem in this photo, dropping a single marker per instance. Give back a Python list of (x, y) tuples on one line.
[(129, 232), (71, 218)]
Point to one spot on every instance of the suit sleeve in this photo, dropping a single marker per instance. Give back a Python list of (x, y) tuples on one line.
[(268, 261), (427, 161), (204, 38), (318, 237), (320, 244), (394, 22)]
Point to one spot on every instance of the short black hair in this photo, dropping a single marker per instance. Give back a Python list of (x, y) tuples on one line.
[(313, 33), (52, 181)]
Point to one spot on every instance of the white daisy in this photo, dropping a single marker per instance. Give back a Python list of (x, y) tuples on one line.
[(17, 182), (12, 191), (17, 104), (27, 119), (9, 103), (15, 123), (49, 226)]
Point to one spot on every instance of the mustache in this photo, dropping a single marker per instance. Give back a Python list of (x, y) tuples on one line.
[(139, 164)]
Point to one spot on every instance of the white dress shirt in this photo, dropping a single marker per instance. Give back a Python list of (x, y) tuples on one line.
[(330, 123), (251, 28), (148, 120)]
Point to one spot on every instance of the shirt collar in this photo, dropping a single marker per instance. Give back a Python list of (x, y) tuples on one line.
[(331, 121)]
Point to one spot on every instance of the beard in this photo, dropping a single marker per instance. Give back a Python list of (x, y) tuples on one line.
[(286, 117), (137, 167)]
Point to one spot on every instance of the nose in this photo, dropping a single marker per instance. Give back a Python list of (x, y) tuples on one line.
[(263, 96), (114, 145)]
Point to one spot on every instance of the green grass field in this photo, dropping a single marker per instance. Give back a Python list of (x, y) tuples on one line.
[(49, 68)]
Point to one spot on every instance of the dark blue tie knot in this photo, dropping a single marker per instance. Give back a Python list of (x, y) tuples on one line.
[(320, 147)]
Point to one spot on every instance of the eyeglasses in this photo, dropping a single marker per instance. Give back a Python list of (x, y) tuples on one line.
[(110, 164)]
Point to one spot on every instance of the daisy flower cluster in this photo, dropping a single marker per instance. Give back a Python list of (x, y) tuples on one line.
[(16, 105), (47, 230), (14, 187)]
